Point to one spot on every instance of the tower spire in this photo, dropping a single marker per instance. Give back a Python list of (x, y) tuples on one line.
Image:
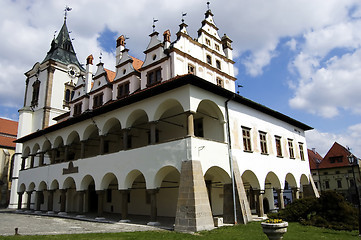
[(66, 10)]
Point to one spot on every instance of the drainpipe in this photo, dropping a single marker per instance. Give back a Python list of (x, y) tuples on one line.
[(230, 159)]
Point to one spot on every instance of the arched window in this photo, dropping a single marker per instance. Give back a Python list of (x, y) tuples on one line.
[(209, 59), (191, 69), (36, 89), (218, 64)]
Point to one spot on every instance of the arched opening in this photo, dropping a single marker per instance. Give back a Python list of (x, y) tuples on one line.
[(69, 200), (25, 158), (113, 139), (138, 134), (59, 155), (91, 198), (112, 196), (219, 189), (172, 121), (46, 150), (274, 191), (138, 198), (209, 121), (92, 141), (35, 156), (291, 190), (252, 188), (168, 179), (73, 146)]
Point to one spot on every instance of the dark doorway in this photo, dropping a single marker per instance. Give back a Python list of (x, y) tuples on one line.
[(93, 199)]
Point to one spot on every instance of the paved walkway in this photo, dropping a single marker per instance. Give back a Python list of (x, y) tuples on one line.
[(32, 224)]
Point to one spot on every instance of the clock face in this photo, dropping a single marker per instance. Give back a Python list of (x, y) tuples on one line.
[(73, 71)]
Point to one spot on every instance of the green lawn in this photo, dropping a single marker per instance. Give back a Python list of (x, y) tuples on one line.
[(248, 232)]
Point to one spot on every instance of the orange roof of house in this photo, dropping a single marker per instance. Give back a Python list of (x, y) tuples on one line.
[(314, 159), (137, 63), (111, 74), (8, 127), (8, 132), (337, 156)]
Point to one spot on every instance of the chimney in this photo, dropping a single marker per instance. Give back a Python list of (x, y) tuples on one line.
[(89, 73), (166, 36)]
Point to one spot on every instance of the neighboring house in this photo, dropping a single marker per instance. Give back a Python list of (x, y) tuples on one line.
[(164, 137), (8, 131), (334, 172)]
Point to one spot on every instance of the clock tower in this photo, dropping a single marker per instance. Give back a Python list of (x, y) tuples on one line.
[(48, 91)]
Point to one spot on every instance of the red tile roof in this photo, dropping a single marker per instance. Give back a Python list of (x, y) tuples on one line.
[(8, 132), (137, 63), (111, 74), (336, 157), (314, 159), (8, 127)]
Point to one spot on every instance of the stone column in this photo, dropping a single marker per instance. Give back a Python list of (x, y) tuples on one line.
[(124, 194), (50, 200), (32, 159), (281, 201), (295, 193), (153, 138), (153, 206), (259, 205), (23, 162), (193, 209), (38, 202), (41, 158), (53, 156), (125, 139), (63, 201), (82, 149), (190, 124), (100, 194), (20, 200), (29, 200), (101, 145), (81, 202), (66, 151)]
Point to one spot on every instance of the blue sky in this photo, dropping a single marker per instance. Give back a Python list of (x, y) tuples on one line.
[(301, 57)]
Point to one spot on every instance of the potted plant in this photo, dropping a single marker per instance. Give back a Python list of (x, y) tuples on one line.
[(274, 228)]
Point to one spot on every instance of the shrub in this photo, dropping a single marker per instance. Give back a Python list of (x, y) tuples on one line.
[(331, 210)]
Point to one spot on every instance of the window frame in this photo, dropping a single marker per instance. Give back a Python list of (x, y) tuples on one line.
[(98, 100), (278, 142), (291, 149), (302, 153), (78, 108), (263, 142), (156, 73), (247, 141), (125, 90)]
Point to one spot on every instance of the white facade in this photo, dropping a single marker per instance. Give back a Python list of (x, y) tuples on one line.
[(132, 136)]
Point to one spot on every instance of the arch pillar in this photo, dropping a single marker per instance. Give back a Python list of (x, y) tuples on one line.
[(295, 193), (53, 155), (125, 138), (281, 201), (153, 206), (101, 144), (190, 123), (124, 194), (23, 162), (259, 203), (41, 158), (153, 138), (66, 153), (20, 200), (32, 159), (28, 203)]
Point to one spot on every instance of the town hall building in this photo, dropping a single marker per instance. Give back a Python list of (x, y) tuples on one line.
[(167, 136)]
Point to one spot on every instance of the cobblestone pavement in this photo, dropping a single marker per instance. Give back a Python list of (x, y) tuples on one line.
[(30, 224)]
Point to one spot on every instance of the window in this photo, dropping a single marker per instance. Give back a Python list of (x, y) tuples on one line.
[(316, 185), (325, 173), (246, 132), (98, 100), (209, 59), (263, 142), (339, 183), (154, 76), (216, 46), (77, 108), (35, 98), (278, 146), (219, 82), (337, 172), (123, 90), (290, 148), (302, 155), (218, 64), (327, 184), (208, 42), (352, 183), (191, 69), (198, 127)]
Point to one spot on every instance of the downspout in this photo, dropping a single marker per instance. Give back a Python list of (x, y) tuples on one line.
[(230, 159)]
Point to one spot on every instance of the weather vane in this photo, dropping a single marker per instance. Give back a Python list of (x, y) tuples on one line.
[(154, 21), (66, 10), (208, 5), (100, 57), (183, 15)]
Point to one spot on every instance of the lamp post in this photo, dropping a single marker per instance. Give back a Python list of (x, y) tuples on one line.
[(353, 161)]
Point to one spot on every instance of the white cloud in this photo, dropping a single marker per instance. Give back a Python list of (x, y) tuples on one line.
[(323, 141)]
